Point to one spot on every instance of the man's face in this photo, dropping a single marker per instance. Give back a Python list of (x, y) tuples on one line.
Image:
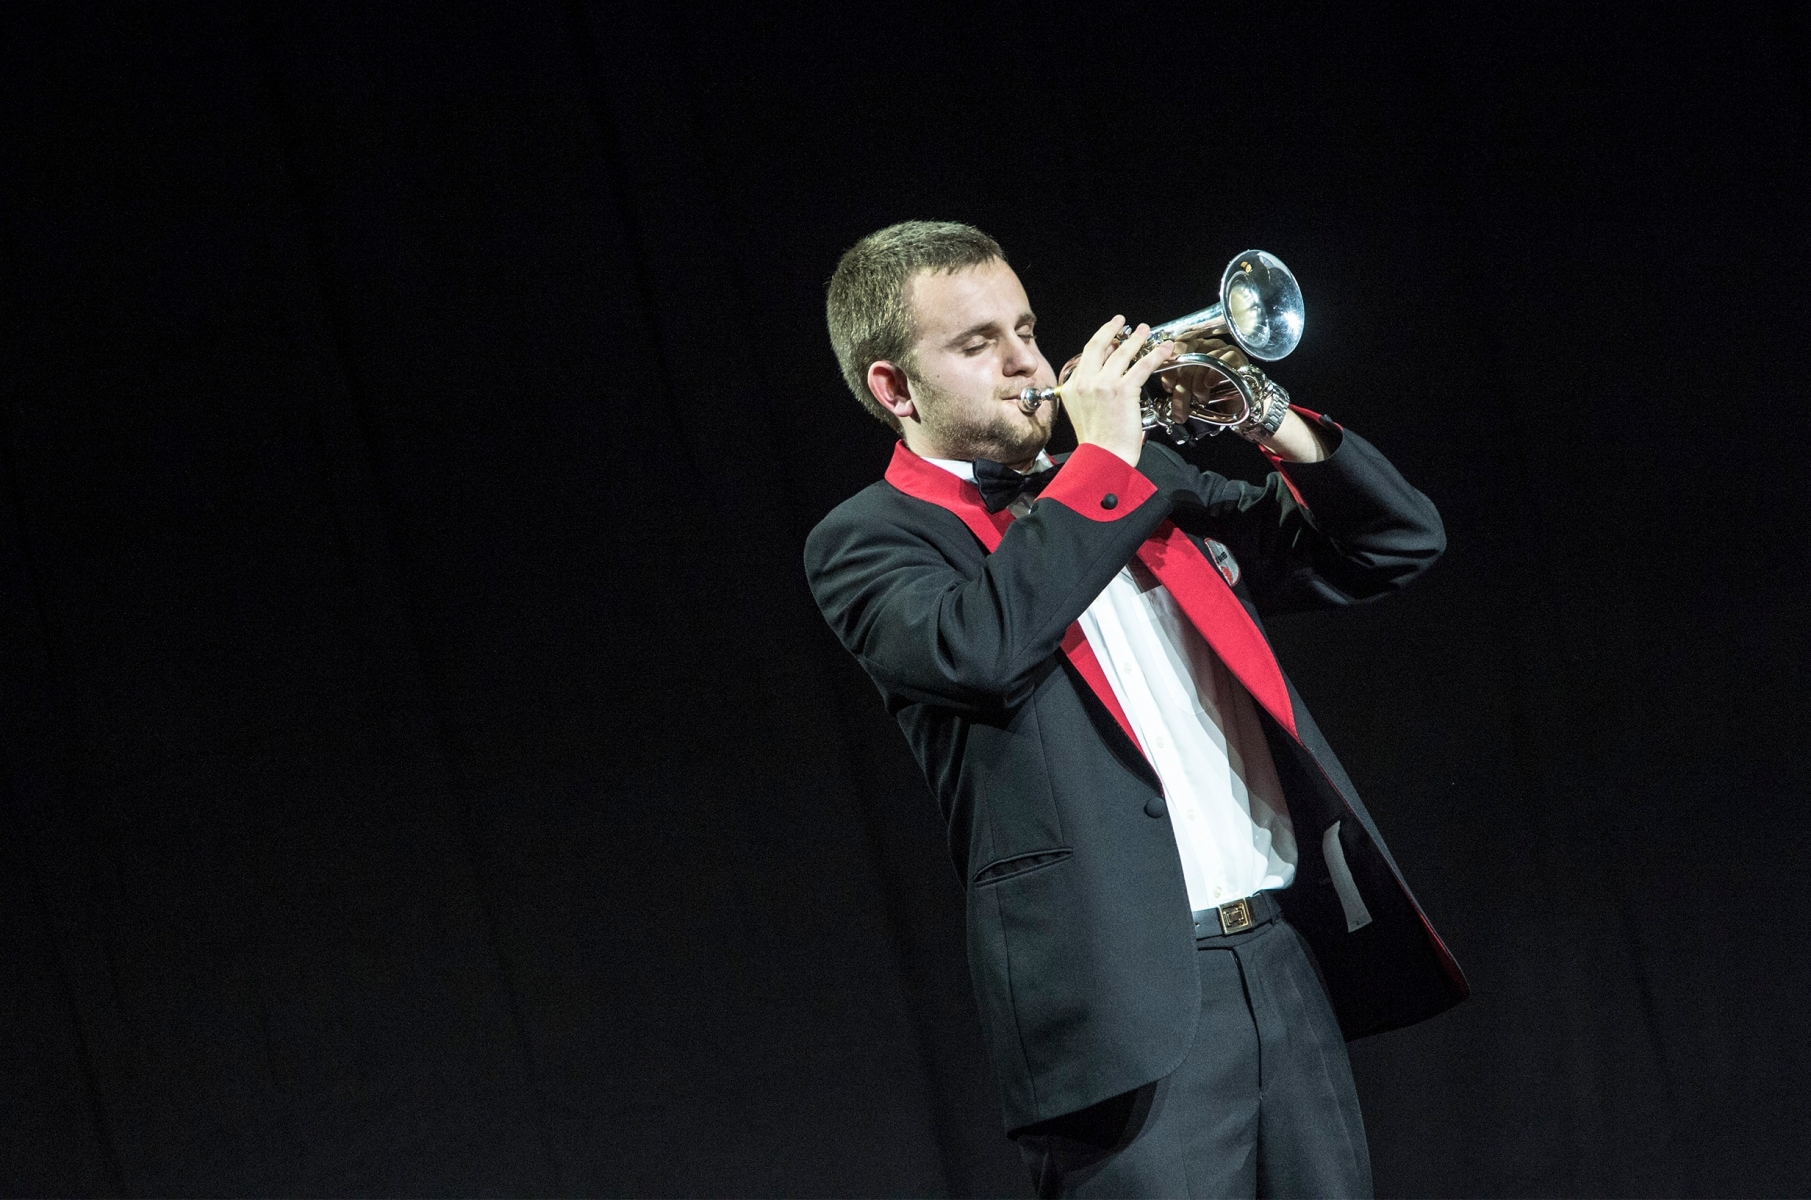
[(976, 351)]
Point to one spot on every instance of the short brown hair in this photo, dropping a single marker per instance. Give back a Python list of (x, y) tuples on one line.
[(870, 314)]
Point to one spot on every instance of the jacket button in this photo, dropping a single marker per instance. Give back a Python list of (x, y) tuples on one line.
[(1155, 807), (1109, 501)]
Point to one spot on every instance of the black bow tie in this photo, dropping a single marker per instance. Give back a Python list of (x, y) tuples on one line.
[(1000, 485)]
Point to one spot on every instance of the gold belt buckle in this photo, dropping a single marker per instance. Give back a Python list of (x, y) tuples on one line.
[(1236, 916)]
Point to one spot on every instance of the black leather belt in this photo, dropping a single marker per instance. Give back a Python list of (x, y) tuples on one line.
[(1238, 916)]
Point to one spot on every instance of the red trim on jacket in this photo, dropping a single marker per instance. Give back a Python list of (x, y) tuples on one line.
[(1081, 655), (1200, 590), (1098, 484), (930, 482), (1212, 608)]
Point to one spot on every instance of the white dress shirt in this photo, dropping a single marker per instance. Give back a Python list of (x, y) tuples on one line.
[(1199, 729)]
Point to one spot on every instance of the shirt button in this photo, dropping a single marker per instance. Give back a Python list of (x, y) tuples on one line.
[(1109, 501), (1216, 893), (1191, 814)]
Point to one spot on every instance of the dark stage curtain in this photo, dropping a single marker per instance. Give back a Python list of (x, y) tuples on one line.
[(425, 771)]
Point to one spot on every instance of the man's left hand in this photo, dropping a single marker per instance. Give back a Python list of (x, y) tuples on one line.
[(1186, 385), (1294, 441)]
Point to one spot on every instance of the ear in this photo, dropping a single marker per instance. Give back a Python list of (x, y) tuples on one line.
[(890, 386)]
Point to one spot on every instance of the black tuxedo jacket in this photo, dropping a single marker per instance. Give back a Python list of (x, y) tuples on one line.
[(1080, 937)]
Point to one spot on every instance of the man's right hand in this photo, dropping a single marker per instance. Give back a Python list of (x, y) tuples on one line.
[(1101, 395)]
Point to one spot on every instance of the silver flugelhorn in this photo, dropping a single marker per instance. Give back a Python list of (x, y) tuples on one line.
[(1259, 311)]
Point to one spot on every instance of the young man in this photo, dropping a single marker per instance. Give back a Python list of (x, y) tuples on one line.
[(1151, 831)]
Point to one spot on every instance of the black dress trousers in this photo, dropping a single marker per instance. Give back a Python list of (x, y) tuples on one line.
[(1263, 1104)]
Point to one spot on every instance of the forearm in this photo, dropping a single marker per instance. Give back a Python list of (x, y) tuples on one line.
[(1368, 530), (1297, 441), (1337, 530)]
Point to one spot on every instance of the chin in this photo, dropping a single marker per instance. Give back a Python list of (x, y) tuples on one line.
[(1008, 436), (1027, 444)]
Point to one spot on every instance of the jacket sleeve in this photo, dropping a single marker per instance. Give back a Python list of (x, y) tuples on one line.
[(1344, 530), (928, 631)]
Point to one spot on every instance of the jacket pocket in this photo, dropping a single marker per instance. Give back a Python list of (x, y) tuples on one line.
[(1020, 864)]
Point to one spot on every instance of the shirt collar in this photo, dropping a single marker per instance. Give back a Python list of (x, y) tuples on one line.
[(963, 469)]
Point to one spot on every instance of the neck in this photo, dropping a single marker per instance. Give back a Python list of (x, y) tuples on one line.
[(924, 448)]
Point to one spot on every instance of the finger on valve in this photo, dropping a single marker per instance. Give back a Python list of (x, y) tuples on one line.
[(1141, 370), (1123, 360), (1100, 345)]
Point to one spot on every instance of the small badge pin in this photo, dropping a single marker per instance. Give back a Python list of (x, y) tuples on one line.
[(1223, 559)]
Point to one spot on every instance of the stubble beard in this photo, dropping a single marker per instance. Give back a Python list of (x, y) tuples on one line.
[(1003, 434)]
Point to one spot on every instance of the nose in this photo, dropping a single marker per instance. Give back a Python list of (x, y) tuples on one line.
[(1021, 360)]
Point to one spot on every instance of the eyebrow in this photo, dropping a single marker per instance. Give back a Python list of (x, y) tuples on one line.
[(1025, 318)]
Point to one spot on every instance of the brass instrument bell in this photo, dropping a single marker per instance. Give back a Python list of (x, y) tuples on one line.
[(1259, 311)]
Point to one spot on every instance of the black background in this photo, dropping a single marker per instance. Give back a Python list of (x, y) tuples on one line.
[(426, 771)]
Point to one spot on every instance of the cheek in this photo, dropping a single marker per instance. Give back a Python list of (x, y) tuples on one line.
[(972, 376), (952, 369)]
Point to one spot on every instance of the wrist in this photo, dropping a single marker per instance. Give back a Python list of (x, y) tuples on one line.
[(1126, 452), (1122, 439), (1297, 440), (1269, 406)]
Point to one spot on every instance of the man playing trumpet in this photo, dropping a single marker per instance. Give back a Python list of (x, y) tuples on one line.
[(1163, 859)]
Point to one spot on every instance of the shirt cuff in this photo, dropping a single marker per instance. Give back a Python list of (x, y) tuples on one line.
[(1098, 484)]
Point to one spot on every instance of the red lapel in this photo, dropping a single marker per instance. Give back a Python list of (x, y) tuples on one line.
[(1176, 561), (1214, 610), (927, 481)]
